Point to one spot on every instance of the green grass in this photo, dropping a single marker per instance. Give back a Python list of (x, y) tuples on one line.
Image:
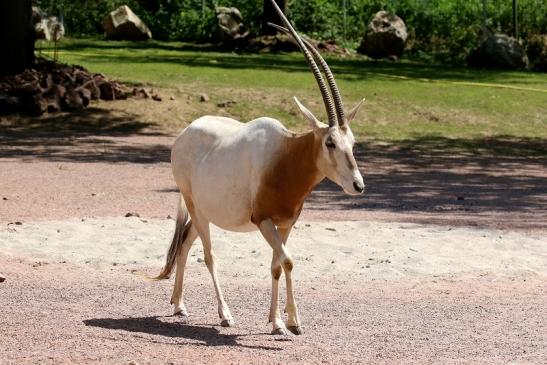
[(405, 101)]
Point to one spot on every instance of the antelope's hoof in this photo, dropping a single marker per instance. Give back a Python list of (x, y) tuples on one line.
[(297, 330), (227, 323), (279, 331), (180, 313)]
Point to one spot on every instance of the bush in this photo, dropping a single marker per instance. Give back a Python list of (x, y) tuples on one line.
[(446, 28)]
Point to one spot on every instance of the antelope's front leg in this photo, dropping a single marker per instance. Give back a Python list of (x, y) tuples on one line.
[(280, 260), (293, 322)]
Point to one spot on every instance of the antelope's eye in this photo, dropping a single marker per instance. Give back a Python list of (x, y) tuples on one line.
[(329, 143)]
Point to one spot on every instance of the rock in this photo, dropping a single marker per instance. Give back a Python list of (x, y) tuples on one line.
[(45, 26), (119, 93), (385, 36), (107, 92), (498, 51), (143, 93), (204, 98), (132, 214), (85, 94), (53, 95), (230, 23), (73, 100), (94, 90), (9, 103), (27, 89), (331, 47), (273, 43), (536, 49), (122, 23), (226, 104), (81, 77), (53, 87), (2, 278), (39, 105)]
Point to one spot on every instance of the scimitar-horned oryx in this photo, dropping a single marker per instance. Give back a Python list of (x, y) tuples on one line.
[(256, 176)]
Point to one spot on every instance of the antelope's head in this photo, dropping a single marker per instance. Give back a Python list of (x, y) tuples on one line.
[(335, 158)]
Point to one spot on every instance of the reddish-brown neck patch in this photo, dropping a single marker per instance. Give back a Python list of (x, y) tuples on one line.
[(285, 185)]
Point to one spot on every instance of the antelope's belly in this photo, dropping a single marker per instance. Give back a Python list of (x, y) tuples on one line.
[(226, 214), (222, 195)]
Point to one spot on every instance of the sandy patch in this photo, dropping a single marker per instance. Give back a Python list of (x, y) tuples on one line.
[(368, 292), (339, 250)]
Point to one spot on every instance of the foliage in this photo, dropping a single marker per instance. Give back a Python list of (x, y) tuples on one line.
[(447, 28)]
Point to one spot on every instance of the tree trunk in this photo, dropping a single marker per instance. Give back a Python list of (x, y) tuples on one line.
[(270, 15), (16, 36)]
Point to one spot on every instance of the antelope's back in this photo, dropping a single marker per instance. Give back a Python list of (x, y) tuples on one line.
[(219, 161)]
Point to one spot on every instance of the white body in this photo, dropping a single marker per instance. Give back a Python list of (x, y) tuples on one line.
[(219, 161), (243, 177), (253, 176)]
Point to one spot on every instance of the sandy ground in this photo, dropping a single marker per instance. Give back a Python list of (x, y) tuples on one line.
[(336, 250), (368, 292), (444, 260)]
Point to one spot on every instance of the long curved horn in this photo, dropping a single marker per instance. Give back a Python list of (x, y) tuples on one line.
[(330, 77), (329, 104)]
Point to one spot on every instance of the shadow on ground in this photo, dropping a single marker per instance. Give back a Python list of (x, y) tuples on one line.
[(434, 175), (424, 175), (91, 135), (205, 335)]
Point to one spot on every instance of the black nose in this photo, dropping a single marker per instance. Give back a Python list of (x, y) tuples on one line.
[(358, 186)]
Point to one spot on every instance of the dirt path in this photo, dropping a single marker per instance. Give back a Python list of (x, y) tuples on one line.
[(74, 174), (461, 278), (60, 313)]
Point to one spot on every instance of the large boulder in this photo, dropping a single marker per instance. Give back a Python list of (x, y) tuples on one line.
[(498, 51), (45, 26), (230, 23), (536, 49), (122, 23), (386, 36)]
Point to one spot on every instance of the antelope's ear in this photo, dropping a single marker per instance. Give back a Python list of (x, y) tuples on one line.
[(313, 121), (353, 112)]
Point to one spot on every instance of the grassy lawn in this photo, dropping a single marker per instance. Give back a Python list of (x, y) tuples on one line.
[(407, 103)]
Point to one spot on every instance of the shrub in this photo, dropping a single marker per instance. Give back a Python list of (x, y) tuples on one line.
[(446, 28)]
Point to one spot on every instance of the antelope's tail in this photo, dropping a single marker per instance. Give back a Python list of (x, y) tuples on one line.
[(183, 225)]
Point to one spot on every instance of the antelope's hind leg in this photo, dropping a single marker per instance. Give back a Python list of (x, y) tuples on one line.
[(177, 296), (202, 226)]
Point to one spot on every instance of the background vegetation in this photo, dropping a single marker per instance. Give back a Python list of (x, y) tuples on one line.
[(438, 108), (445, 29)]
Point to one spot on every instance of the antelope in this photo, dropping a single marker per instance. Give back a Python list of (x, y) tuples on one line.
[(252, 176)]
